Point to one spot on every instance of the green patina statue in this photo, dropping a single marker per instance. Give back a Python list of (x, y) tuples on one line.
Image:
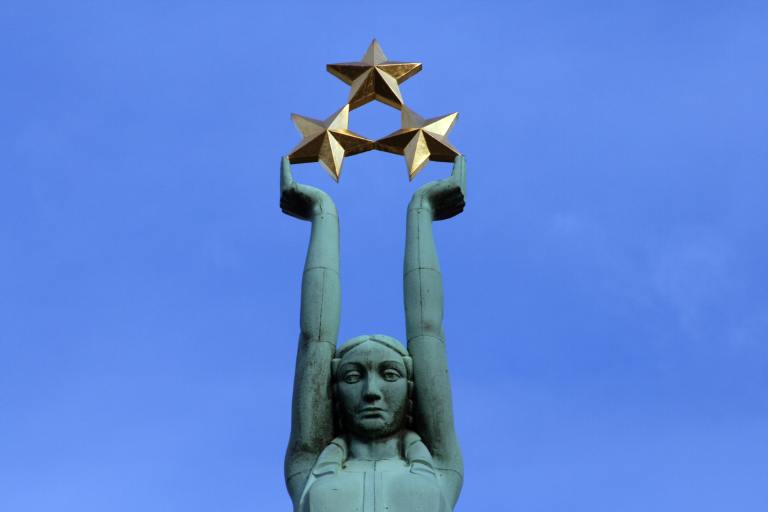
[(372, 423)]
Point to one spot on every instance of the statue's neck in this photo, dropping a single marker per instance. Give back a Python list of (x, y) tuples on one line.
[(375, 449)]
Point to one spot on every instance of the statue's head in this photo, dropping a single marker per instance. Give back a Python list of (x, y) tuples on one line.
[(372, 386)]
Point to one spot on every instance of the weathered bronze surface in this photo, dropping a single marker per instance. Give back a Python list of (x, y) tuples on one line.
[(375, 77), (327, 142), (372, 425)]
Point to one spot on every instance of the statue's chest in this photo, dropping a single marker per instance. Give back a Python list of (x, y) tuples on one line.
[(381, 486)]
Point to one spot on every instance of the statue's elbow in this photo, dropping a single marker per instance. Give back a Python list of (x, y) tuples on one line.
[(432, 327)]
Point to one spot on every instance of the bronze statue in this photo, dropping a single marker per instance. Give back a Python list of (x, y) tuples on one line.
[(372, 423)]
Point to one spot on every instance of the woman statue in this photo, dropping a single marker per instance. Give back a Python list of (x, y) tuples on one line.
[(372, 423)]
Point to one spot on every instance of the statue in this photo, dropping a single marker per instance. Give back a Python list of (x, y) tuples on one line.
[(372, 422)]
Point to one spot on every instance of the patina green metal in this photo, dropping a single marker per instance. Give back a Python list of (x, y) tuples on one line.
[(372, 422)]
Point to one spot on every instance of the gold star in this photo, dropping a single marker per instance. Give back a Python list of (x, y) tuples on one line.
[(375, 77), (421, 140), (327, 141)]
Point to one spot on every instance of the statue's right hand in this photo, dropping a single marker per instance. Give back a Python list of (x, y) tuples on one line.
[(445, 197), (301, 201)]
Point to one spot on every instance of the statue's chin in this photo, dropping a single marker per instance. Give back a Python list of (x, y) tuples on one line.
[(375, 428)]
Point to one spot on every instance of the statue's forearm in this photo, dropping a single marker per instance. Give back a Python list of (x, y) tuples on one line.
[(423, 289), (320, 286), (312, 420), (433, 410)]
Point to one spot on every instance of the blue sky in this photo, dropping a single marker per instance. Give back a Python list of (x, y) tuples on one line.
[(606, 299)]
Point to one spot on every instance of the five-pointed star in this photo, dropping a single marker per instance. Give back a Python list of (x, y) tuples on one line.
[(375, 77), (421, 140), (327, 141)]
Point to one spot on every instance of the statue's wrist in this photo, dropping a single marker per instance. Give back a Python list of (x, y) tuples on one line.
[(419, 202), (322, 207)]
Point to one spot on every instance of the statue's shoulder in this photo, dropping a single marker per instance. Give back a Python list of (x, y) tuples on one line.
[(338, 484), (417, 455)]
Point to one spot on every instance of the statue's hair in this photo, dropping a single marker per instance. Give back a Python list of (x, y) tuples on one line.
[(383, 339), (387, 341)]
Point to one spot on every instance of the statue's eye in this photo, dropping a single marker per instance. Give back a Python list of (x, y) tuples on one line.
[(391, 375), (351, 377)]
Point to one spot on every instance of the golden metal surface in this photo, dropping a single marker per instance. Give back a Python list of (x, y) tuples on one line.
[(327, 142), (374, 78), (421, 140)]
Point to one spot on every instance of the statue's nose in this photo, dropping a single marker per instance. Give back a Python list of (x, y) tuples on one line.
[(372, 390)]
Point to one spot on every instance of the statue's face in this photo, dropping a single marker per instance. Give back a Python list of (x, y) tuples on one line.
[(372, 390)]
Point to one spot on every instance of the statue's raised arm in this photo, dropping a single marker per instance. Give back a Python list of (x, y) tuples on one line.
[(312, 410), (423, 293)]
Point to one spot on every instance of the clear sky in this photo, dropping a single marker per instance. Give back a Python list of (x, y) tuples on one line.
[(606, 298)]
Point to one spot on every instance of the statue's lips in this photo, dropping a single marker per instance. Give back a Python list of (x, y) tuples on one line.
[(371, 412)]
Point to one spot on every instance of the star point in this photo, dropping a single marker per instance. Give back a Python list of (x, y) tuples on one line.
[(328, 141), (421, 140), (374, 77)]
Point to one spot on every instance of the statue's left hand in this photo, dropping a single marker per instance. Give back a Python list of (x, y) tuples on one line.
[(444, 197), (301, 201)]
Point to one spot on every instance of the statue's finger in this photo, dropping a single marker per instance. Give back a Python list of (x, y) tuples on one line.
[(460, 164), (452, 201), (458, 169), (286, 176)]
